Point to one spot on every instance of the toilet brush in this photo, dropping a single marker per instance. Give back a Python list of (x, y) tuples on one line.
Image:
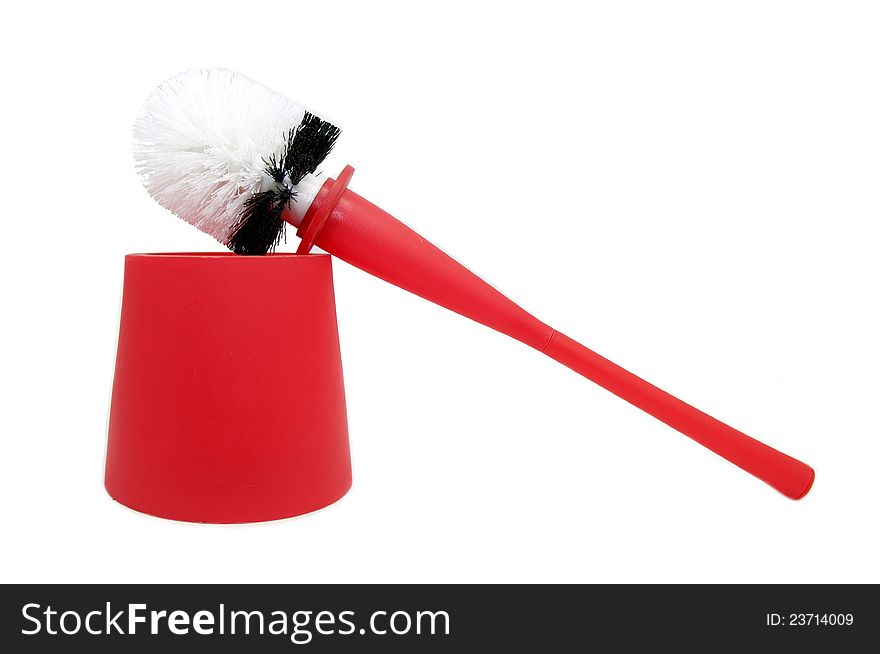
[(240, 162)]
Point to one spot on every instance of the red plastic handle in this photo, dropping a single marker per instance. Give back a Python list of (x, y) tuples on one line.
[(784, 473), (357, 231)]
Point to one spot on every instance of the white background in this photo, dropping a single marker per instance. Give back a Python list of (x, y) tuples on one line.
[(690, 188)]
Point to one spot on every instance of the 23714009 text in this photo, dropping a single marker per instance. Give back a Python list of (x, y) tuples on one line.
[(809, 619)]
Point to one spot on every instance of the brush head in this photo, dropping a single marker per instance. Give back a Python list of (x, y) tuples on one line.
[(226, 154)]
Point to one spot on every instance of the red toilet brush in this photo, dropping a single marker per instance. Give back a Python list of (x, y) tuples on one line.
[(239, 162)]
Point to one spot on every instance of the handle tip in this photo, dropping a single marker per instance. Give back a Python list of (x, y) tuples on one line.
[(811, 477)]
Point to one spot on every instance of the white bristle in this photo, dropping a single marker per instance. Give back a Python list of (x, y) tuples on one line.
[(200, 143)]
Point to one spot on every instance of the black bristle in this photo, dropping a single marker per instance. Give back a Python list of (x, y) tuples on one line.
[(307, 146), (274, 167), (261, 227)]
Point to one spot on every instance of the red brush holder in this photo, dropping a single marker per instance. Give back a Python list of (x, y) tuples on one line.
[(228, 403)]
